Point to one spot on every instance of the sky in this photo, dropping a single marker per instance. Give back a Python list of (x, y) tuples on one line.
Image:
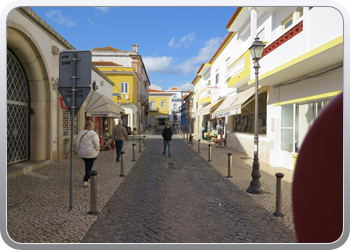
[(173, 41)]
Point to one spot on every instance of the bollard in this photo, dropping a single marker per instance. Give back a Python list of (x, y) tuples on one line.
[(229, 165), (122, 164), (199, 146), (144, 145), (191, 141), (133, 152), (139, 145), (279, 186), (209, 153), (93, 193), (133, 135)]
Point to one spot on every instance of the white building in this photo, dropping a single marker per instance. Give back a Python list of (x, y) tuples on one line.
[(301, 71)]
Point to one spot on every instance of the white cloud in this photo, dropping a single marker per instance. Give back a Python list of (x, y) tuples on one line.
[(185, 86), (185, 41), (204, 55), (159, 65), (102, 9), (90, 21), (56, 16)]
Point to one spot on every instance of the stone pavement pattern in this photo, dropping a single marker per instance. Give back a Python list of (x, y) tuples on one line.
[(182, 199), (38, 201)]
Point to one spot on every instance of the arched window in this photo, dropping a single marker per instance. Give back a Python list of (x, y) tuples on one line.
[(175, 106)]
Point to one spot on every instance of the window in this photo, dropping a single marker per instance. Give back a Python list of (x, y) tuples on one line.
[(217, 78), (152, 104), (288, 21), (300, 11), (175, 95), (124, 87), (175, 106), (163, 104)]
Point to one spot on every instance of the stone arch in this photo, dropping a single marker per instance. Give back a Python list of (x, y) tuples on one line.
[(22, 43)]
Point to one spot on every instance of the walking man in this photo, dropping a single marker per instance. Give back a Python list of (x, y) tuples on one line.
[(118, 135), (167, 133)]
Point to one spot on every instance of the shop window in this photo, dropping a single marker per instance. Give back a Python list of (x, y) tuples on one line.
[(306, 114), (245, 122), (287, 126)]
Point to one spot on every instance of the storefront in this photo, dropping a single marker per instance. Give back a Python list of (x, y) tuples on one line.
[(237, 114), (102, 111)]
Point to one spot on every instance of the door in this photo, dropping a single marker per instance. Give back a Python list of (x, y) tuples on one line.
[(17, 111), (152, 121)]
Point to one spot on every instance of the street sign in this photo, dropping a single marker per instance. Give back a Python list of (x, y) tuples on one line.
[(75, 63), (80, 96)]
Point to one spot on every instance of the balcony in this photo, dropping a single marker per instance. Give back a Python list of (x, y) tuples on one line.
[(204, 97), (153, 108)]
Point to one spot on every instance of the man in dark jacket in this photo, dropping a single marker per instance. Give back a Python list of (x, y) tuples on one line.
[(167, 133)]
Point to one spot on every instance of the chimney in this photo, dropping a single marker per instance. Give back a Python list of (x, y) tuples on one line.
[(135, 48)]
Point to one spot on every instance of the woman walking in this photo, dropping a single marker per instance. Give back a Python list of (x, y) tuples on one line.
[(88, 146)]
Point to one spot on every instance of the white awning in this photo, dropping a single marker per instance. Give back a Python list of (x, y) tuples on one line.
[(233, 104), (206, 110), (162, 116), (98, 105)]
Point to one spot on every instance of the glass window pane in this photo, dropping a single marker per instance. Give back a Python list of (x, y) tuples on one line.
[(287, 139), (287, 116)]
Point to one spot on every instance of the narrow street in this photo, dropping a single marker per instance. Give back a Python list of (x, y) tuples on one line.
[(182, 199)]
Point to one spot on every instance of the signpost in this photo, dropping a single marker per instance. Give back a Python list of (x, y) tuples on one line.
[(74, 86)]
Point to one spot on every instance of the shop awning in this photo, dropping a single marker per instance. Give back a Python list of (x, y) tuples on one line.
[(98, 105), (206, 110), (233, 104), (162, 116)]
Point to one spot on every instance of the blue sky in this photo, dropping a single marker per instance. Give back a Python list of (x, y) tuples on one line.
[(173, 41)]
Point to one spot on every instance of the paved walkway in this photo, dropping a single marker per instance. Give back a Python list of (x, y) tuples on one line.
[(38, 201), (182, 199)]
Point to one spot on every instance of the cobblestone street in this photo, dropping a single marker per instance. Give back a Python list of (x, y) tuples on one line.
[(181, 198)]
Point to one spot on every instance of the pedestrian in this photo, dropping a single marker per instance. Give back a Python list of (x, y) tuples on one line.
[(167, 133), (88, 146), (118, 135)]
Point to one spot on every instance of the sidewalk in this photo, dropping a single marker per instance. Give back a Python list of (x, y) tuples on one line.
[(242, 166), (38, 200)]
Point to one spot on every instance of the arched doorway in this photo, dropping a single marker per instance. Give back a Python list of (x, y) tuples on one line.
[(17, 111)]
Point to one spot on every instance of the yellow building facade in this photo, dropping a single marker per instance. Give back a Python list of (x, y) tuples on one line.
[(160, 107)]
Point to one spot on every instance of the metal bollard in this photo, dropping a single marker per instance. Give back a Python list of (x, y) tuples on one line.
[(144, 145), (133, 152), (229, 165), (209, 153), (93, 193), (122, 164), (279, 186), (199, 146), (139, 145), (191, 141)]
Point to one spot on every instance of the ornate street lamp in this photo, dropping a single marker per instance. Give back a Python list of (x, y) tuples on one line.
[(256, 51)]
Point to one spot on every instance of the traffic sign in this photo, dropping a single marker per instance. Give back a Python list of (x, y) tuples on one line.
[(75, 63), (80, 96)]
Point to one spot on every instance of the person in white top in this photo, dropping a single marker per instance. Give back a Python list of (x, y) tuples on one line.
[(88, 146)]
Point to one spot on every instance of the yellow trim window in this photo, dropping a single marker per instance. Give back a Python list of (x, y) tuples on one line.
[(300, 12), (163, 104), (288, 21)]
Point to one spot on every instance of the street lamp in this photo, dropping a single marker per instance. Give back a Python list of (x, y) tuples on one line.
[(256, 51)]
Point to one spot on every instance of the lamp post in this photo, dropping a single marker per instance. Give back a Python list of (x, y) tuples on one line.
[(256, 51)]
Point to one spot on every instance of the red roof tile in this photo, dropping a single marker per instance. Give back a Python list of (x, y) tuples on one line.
[(154, 90), (106, 64), (234, 16), (106, 48), (174, 88)]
